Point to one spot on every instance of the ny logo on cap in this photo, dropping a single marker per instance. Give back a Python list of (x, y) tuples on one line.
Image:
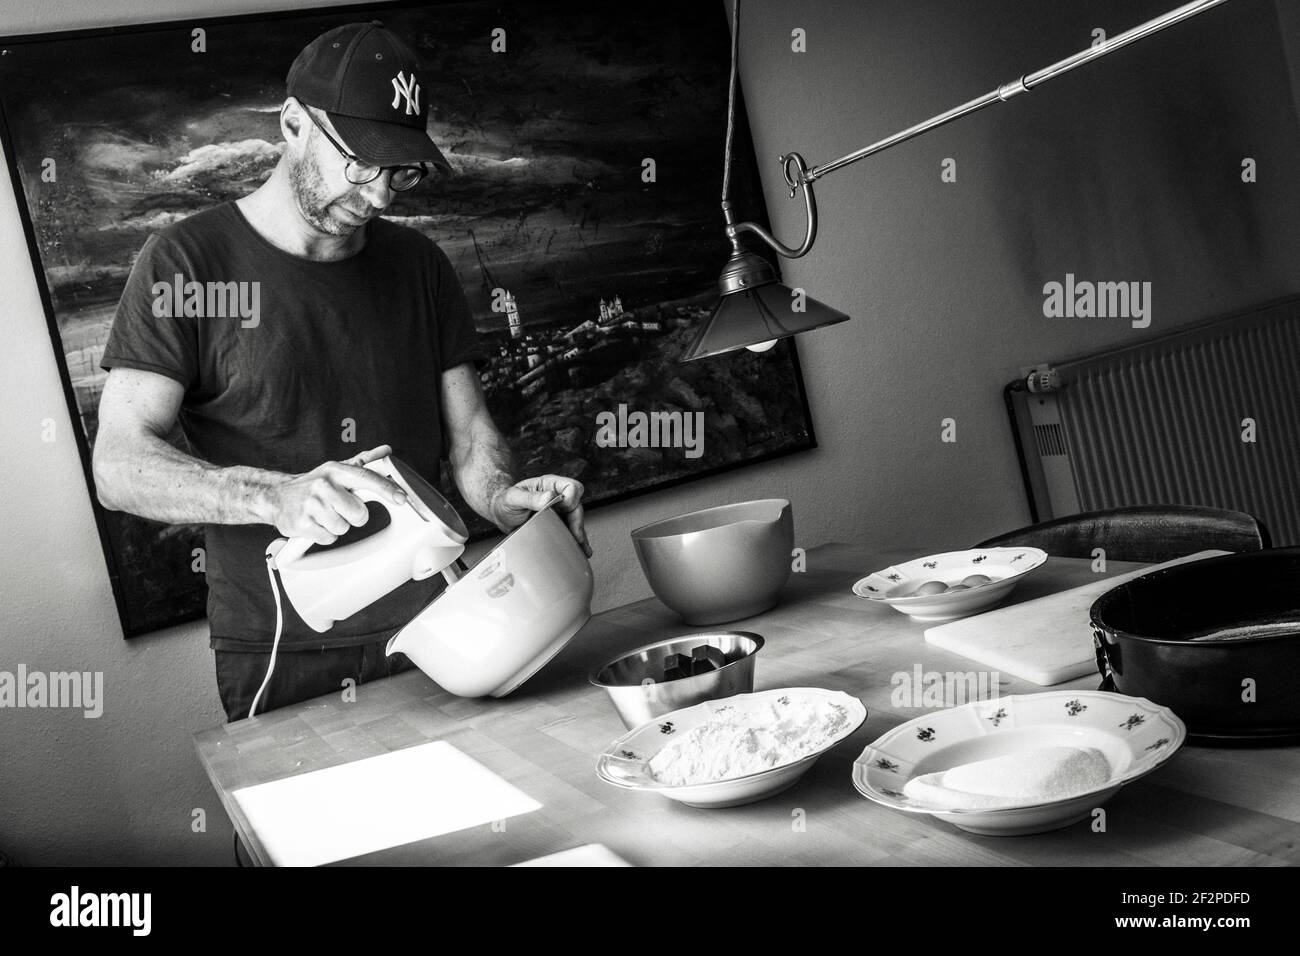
[(406, 89)]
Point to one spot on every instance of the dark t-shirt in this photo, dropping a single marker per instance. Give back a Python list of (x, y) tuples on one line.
[(339, 357)]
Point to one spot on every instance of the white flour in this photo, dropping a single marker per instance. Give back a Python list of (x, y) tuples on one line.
[(741, 741)]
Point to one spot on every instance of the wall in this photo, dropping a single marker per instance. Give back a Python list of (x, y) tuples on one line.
[(1085, 175), (1288, 15), (943, 282)]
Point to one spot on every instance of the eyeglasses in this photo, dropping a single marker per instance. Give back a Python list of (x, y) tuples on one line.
[(359, 173)]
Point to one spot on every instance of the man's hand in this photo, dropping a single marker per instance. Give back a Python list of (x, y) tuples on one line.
[(483, 465), (321, 504), (512, 506)]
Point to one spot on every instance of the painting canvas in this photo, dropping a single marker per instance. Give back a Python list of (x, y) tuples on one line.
[(583, 222)]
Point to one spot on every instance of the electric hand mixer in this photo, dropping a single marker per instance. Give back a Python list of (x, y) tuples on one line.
[(414, 541)]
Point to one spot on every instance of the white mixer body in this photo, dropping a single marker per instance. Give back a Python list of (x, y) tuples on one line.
[(421, 538)]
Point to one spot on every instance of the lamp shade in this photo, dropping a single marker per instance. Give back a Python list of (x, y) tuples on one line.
[(758, 314)]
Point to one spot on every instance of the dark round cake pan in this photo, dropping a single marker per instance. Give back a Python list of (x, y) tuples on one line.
[(1216, 640)]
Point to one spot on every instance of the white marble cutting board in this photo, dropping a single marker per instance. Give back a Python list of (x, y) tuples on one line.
[(1045, 641)]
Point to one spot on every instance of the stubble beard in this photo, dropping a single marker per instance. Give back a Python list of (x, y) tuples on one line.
[(312, 198)]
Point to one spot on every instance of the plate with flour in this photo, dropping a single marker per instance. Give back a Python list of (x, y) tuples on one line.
[(1018, 765), (738, 750)]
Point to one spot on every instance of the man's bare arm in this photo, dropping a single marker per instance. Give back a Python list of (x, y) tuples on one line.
[(136, 470), (481, 463)]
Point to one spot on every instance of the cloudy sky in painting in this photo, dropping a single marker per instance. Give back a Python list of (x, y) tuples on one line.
[(547, 141)]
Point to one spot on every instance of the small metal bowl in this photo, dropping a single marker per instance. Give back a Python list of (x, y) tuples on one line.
[(658, 678)]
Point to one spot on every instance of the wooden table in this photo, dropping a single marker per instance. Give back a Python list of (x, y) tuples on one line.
[(1207, 806)]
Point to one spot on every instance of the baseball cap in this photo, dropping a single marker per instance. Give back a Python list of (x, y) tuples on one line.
[(368, 82)]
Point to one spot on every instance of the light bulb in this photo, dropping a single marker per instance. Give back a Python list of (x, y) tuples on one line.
[(761, 346)]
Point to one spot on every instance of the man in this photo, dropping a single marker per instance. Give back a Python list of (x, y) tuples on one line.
[(362, 340)]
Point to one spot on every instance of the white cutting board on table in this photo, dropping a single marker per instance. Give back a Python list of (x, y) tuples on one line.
[(1045, 641), (371, 804)]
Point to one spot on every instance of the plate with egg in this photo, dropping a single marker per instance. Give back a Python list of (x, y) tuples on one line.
[(1017, 765), (732, 751), (948, 586)]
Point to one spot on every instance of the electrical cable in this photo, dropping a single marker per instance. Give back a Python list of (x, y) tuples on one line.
[(731, 97), (279, 626)]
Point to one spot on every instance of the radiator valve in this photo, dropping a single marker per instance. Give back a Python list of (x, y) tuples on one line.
[(1043, 379)]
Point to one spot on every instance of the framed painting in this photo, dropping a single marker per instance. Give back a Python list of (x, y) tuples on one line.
[(583, 224)]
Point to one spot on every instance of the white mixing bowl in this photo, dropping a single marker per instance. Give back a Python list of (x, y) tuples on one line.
[(507, 616)]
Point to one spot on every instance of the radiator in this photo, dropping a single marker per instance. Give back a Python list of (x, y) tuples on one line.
[(1170, 421)]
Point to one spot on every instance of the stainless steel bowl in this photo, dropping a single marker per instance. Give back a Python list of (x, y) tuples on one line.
[(653, 680)]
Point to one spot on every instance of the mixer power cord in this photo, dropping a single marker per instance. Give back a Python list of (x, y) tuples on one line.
[(279, 626)]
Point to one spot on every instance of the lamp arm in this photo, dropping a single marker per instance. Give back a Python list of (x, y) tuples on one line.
[(803, 178), (1024, 84), (800, 180)]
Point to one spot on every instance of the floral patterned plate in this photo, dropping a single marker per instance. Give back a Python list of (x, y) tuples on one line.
[(1136, 736), (898, 586), (626, 762)]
